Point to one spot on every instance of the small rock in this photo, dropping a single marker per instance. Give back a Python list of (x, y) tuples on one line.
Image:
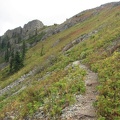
[(89, 84), (76, 63), (12, 117)]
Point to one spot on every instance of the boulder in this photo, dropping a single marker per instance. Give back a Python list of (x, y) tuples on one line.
[(31, 28), (67, 47)]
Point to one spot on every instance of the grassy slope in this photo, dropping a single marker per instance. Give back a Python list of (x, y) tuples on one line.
[(95, 52)]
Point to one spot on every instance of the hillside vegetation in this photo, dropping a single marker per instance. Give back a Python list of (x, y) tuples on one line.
[(49, 81)]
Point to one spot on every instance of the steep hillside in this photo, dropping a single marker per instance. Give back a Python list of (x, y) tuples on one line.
[(54, 78)]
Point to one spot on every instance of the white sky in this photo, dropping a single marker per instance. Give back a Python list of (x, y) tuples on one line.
[(15, 13)]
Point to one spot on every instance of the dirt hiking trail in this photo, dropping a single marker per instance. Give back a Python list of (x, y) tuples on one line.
[(83, 109)]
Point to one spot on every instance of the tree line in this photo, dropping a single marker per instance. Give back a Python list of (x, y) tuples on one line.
[(15, 57)]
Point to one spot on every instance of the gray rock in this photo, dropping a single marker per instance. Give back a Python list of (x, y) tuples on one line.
[(16, 83), (13, 33), (67, 47), (31, 28), (12, 117), (76, 63)]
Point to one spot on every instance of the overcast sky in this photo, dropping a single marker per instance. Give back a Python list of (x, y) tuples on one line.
[(15, 13)]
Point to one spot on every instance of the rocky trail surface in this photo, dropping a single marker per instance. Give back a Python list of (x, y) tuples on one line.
[(83, 109)]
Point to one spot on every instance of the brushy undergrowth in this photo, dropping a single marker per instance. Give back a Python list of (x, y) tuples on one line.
[(53, 94)]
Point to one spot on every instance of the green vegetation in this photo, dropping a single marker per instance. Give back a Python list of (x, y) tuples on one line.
[(17, 59), (54, 93), (36, 38), (109, 76), (16, 62)]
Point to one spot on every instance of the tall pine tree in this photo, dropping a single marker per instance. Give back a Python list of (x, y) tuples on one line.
[(18, 62), (12, 61), (17, 59), (23, 50), (7, 55)]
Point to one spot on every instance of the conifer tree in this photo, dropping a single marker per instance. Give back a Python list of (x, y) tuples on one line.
[(7, 55), (18, 62), (11, 61), (42, 47), (23, 50), (16, 59)]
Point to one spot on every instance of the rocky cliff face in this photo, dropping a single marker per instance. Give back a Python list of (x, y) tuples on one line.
[(28, 30), (13, 33), (31, 28), (16, 35)]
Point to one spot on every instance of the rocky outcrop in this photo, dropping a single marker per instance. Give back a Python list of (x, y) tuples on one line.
[(33, 25), (31, 28), (17, 82), (78, 40), (13, 33)]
